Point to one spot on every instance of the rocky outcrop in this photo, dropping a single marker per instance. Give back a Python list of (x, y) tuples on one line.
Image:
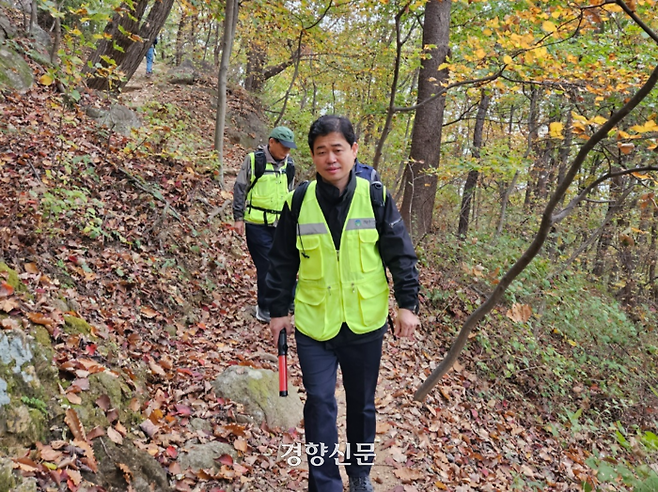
[(117, 118), (258, 391), (15, 74)]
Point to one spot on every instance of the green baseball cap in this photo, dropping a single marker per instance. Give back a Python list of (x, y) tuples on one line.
[(285, 136)]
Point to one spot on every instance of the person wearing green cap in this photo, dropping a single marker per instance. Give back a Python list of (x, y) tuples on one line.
[(260, 190)]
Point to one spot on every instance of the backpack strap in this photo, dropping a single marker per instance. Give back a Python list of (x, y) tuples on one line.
[(290, 171), (377, 198), (259, 161), (297, 199)]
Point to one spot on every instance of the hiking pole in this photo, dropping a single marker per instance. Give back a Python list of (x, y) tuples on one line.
[(283, 363)]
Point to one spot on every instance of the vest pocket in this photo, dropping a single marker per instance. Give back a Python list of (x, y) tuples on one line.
[(311, 263), (310, 308), (370, 259), (373, 303)]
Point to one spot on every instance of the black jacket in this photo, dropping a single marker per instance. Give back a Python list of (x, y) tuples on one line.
[(395, 248)]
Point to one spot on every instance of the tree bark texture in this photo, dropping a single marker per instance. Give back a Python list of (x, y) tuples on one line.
[(124, 50), (230, 23), (473, 174), (419, 181)]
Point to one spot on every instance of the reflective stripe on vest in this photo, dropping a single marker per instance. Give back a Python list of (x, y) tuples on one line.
[(339, 286), (266, 198)]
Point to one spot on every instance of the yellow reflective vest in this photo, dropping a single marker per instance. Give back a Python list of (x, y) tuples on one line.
[(266, 197), (339, 286)]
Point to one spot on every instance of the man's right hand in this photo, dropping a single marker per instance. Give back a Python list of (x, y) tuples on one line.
[(278, 324), (238, 225)]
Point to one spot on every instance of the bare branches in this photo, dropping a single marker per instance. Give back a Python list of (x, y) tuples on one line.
[(557, 217), (445, 89), (538, 241)]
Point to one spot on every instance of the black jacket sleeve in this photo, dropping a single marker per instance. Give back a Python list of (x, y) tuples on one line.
[(397, 252), (284, 263)]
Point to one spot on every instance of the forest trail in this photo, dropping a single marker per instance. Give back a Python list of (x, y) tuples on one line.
[(179, 304), (455, 440)]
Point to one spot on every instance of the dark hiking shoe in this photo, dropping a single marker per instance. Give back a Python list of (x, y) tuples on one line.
[(361, 484), (262, 315)]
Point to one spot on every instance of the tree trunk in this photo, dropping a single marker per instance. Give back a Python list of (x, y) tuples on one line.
[(607, 235), (653, 280), (131, 50), (473, 174), (180, 38), (256, 56), (230, 22), (419, 184), (533, 136), (399, 43)]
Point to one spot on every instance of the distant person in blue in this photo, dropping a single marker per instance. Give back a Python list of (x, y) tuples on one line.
[(150, 55)]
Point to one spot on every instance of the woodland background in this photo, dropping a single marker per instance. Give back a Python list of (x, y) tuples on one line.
[(520, 141)]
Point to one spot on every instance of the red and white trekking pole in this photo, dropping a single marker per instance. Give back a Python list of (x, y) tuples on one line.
[(283, 363)]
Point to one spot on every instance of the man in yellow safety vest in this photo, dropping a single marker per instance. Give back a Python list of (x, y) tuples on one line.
[(264, 180), (338, 235)]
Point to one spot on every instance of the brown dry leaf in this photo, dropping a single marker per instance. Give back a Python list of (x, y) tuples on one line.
[(26, 464), (104, 402), (149, 428), (39, 319), (49, 454), (114, 435), (82, 383), (383, 427), (520, 313), (75, 476), (127, 474), (156, 368), (121, 429), (75, 425), (626, 148), (31, 268), (59, 444), (408, 474), (97, 431), (89, 453), (8, 305), (148, 312), (134, 405), (241, 445), (74, 399), (5, 289)]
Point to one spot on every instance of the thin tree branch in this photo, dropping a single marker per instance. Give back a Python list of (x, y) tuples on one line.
[(538, 241), (638, 21), (572, 204), (400, 109)]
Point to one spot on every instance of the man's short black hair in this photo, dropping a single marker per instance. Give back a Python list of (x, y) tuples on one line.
[(331, 123)]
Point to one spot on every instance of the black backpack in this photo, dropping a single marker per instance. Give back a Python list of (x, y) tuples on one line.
[(260, 161), (365, 171), (377, 198)]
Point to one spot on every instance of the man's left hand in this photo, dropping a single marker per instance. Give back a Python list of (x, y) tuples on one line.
[(405, 323)]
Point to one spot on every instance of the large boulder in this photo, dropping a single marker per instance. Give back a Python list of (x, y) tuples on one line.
[(27, 378), (184, 74), (117, 461), (11, 481), (7, 31), (15, 73), (117, 118), (258, 391), (203, 456)]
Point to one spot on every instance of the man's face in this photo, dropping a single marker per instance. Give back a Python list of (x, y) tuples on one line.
[(334, 157), (277, 149)]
